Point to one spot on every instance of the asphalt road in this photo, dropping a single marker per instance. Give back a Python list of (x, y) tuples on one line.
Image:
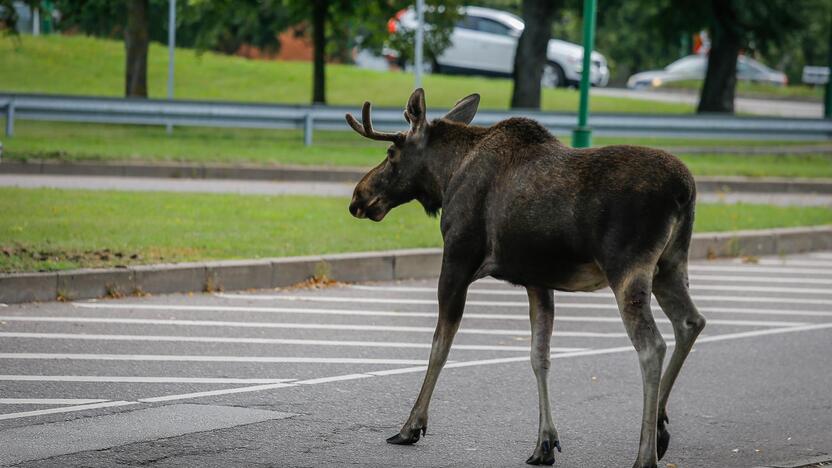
[(323, 189), (320, 377), (757, 106)]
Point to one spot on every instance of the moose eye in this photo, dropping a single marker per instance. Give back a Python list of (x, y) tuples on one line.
[(392, 155)]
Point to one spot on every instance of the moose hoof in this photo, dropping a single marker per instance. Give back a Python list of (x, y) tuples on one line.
[(662, 439), (544, 454), (407, 438)]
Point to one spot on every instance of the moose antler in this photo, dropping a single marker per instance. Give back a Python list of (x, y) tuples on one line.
[(366, 129)]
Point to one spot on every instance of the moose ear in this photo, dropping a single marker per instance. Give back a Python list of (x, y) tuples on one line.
[(415, 112), (464, 110)]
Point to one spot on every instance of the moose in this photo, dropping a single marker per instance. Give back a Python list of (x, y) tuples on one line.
[(520, 206)]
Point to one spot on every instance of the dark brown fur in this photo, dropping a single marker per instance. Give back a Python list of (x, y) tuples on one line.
[(519, 205)]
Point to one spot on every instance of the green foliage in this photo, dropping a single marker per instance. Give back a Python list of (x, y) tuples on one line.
[(222, 25)]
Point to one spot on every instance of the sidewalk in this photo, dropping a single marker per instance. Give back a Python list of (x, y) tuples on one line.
[(327, 189)]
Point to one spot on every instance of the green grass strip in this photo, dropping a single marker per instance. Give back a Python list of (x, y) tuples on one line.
[(47, 229)]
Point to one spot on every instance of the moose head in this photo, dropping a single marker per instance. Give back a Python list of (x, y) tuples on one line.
[(406, 172)]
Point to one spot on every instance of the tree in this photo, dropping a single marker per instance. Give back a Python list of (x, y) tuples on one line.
[(734, 26), (136, 43), (531, 52), (319, 14)]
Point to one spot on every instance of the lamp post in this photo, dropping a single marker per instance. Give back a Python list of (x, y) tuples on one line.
[(582, 135), (171, 47), (420, 41)]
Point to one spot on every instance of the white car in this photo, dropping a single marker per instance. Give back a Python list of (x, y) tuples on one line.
[(694, 67), (484, 41)]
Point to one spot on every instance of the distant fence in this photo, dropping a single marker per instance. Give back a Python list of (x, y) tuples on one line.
[(59, 108)]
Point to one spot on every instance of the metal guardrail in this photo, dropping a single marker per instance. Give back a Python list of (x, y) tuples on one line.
[(60, 108)]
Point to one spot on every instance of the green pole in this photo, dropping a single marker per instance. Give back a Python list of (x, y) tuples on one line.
[(582, 135)]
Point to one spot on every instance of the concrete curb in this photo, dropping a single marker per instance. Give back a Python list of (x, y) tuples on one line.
[(349, 267), (185, 171), (763, 185), (349, 174)]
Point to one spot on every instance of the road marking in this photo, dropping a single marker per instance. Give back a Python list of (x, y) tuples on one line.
[(605, 293), (226, 391), (727, 267), (256, 388), (65, 409), (183, 358), (387, 313), (760, 279), (823, 255), (211, 339), (748, 268), (49, 401), (301, 326), (790, 262), (524, 304), (132, 379)]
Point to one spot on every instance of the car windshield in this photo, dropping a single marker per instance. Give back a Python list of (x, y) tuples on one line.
[(486, 25), (691, 63)]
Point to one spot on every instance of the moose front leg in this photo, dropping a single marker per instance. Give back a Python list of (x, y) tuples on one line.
[(541, 315), (453, 287)]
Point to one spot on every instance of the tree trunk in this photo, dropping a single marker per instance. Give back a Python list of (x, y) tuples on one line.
[(531, 53), (721, 78), (136, 40), (319, 13)]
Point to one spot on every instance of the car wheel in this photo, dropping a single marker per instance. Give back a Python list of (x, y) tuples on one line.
[(553, 76)]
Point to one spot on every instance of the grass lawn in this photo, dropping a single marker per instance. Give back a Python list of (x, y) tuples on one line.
[(68, 141), (798, 91), (794, 165), (89, 66), (45, 229)]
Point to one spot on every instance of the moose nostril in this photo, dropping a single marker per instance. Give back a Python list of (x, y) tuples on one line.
[(356, 210)]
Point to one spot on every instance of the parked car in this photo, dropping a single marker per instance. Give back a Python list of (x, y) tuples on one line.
[(693, 67), (484, 41)]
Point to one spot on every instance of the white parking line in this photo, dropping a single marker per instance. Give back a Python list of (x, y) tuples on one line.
[(301, 326), (748, 268), (760, 279), (49, 401), (131, 379), (65, 409), (174, 358), (730, 268), (524, 304), (789, 262), (412, 314), (604, 293), (211, 339)]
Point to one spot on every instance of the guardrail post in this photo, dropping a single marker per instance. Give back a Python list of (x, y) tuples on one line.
[(10, 118), (308, 123)]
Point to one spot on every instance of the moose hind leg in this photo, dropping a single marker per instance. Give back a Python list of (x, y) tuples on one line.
[(541, 315), (632, 292), (670, 287), (452, 292)]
